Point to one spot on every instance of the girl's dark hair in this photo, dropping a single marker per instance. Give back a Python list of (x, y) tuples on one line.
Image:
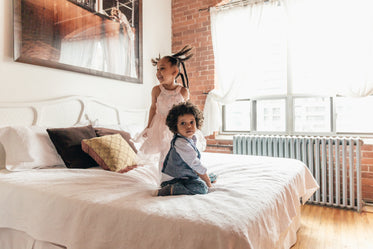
[(178, 59), (180, 110)]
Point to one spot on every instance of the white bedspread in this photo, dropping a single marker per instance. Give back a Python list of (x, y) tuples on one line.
[(252, 205)]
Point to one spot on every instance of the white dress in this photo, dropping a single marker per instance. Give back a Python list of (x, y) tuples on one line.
[(157, 141), (158, 135)]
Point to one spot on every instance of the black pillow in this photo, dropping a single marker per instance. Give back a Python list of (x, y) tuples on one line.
[(68, 144)]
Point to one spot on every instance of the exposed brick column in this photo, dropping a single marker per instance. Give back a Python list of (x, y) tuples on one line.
[(192, 26)]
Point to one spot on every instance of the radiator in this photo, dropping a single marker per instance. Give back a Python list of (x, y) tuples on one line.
[(334, 162)]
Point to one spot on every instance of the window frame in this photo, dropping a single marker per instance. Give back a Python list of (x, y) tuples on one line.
[(289, 117)]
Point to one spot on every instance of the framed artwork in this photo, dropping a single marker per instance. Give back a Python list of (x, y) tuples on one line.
[(98, 37)]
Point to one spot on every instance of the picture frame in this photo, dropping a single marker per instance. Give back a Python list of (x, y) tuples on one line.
[(97, 37)]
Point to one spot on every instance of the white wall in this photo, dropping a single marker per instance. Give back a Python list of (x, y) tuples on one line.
[(25, 82)]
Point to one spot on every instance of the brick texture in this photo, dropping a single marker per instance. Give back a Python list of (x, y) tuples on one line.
[(191, 25)]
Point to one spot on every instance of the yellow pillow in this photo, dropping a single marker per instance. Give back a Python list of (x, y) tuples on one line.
[(111, 152)]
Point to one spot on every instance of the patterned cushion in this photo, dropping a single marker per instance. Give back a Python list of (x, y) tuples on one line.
[(111, 152), (101, 131)]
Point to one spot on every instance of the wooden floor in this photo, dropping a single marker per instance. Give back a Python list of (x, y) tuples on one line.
[(333, 228)]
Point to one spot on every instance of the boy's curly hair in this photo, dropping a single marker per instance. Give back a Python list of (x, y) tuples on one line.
[(180, 110)]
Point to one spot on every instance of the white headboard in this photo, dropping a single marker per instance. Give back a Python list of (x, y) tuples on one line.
[(68, 111), (65, 112)]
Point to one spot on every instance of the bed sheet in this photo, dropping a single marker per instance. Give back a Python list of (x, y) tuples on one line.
[(253, 205)]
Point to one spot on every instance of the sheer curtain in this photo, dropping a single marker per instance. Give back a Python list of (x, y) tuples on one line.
[(241, 37), (112, 52), (226, 43), (119, 50), (322, 47), (80, 52), (330, 46)]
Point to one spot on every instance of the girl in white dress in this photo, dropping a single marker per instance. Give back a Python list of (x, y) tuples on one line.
[(157, 136)]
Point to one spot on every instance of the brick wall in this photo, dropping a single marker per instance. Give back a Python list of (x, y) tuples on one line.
[(191, 25), (367, 172)]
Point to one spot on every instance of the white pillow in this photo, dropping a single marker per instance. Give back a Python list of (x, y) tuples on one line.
[(28, 147)]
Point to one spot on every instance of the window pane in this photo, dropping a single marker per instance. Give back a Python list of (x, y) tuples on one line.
[(312, 114), (237, 116), (353, 114), (271, 115)]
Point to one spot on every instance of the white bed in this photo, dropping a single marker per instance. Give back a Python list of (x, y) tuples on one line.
[(254, 204)]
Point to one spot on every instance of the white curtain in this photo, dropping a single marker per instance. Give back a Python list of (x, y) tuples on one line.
[(241, 58), (119, 50), (322, 47), (330, 46), (113, 52), (225, 42), (80, 53)]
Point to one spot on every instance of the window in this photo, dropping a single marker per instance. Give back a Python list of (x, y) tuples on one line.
[(237, 116), (353, 115), (305, 115), (312, 114), (293, 67), (271, 115)]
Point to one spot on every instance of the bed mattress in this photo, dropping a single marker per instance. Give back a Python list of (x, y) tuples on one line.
[(254, 204)]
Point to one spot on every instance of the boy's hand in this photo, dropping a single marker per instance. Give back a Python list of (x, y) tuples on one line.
[(206, 179)]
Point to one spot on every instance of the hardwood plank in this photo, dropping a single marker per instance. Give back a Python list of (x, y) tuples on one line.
[(325, 227)]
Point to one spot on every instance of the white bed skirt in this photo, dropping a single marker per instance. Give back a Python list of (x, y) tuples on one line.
[(13, 239)]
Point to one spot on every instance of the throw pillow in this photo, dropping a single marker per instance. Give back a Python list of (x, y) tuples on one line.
[(100, 131), (111, 152), (68, 144)]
